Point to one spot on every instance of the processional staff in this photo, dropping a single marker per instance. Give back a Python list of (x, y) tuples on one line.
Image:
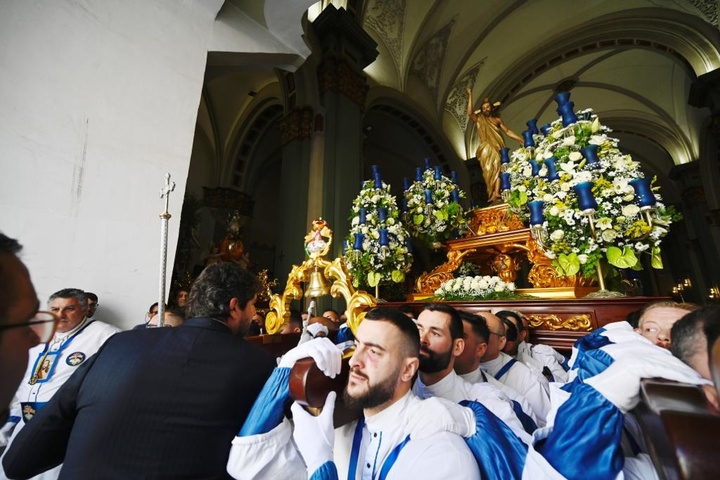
[(164, 217)]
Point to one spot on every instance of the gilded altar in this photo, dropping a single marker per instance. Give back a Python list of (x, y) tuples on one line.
[(499, 243)]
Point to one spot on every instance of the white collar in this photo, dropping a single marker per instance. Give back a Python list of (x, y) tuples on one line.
[(443, 389), (475, 376), (62, 336), (391, 417)]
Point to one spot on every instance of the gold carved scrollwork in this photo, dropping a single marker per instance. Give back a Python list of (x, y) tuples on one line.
[(336, 75), (542, 274), (493, 220), (553, 322), (357, 301), (296, 125), (429, 282)]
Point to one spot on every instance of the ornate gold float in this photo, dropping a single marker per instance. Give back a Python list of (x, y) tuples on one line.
[(314, 270)]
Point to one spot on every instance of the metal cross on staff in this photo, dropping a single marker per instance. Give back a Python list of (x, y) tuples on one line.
[(164, 217)]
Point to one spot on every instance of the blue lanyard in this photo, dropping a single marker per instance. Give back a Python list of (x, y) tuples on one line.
[(505, 369), (63, 345), (355, 453)]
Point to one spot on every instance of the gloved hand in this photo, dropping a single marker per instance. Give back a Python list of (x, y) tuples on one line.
[(620, 382), (315, 436), (315, 328), (327, 356), (548, 351), (434, 415)]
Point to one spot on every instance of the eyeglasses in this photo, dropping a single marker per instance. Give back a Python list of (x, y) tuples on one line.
[(43, 324), (498, 334)]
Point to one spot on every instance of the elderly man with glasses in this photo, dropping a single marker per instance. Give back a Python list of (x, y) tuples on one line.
[(76, 338)]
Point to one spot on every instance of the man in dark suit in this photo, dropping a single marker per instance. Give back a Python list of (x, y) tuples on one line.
[(163, 403)]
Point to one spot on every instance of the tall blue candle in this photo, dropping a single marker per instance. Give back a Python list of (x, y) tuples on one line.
[(590, 154), (545, 129), (418, 174), (438, 173), (374, 169), (427, 163), (536, 212), (384, 237), (527, 136), (643, 192), (562, 98), (428, 196), (406, 183), (505, 181), (567, 112), (378, 181), (504, 155), (409, 245), (358, 245), (455, 195), (404, 205), (382, 214), (453, 177), (532, 126), (362, 216), (552, 169), (586, 200)]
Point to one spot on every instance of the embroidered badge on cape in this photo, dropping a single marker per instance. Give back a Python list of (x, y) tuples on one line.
[(75, 359)]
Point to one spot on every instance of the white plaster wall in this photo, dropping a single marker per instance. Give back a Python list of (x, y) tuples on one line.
[(98, 100)]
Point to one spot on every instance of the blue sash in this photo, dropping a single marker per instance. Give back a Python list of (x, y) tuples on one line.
[(505, 369), (355, 453), (44, 354)]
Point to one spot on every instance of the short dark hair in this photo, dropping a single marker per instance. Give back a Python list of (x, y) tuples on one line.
[(71, 293), (478, 325), (405, 308), (331, 310), (12, 247), (219, 283), (687, 332), (91, 296), (507, 314), (408, 329), (456, 326), (511, 331)]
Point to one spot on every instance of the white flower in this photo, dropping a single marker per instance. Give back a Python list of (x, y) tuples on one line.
[(597, 140), (575, 156), (630, 210), (609, 235), (557, 235), (604, 223), (568, 141), (595, 127), (582, 258)]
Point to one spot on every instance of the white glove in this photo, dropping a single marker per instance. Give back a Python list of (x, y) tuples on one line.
[(548, 351), (435, 414), (620, 382), (315, 436), (327, 356), (315, 328), (621, 332)]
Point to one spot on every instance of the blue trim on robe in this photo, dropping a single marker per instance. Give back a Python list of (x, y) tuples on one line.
[(267, 411), (586, 439), (344, 334), (526, 420), (14, 419), (326, 471), (591, 363), (499, 453)]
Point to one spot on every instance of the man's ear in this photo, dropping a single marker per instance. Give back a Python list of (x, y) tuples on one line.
[(458, 346), (411, 367), (481, 349), (503, 341), (234, 311)]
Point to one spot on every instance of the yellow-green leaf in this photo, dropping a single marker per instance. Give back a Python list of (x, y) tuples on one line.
[(624, 258), (418, 219), (398, 276), (374, 278), (567, 264), (656, 258)]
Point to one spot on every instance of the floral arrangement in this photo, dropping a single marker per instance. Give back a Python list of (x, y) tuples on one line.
[(474, 288), (574, 165), (432, 206), (377, 248)]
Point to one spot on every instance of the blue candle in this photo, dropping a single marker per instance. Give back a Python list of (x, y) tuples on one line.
[(382, 214), (409, 245), (378, 181), (438, 173), (643, 192), (552, 170), (590, 153), (362, 216), (567, 111), (504, 155), (404, 205), (374, 169), (418, 174), (586, 201), (358, 242), (527, 136), (453, 177), (504, 181), (545, 129), (427, 163), (535, 168), (345, 247), (532, 126), (562, 98), (406, 183), (384, 242), (428, 196), (455, 196), (536, 212)]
